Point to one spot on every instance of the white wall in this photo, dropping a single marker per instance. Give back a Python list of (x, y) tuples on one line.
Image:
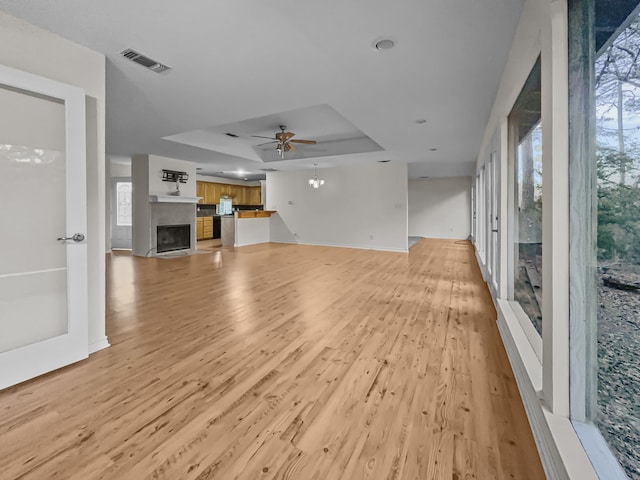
[(362, 207), (158, 187), (119, 169), (250, 231), (31, 49), (141, 212), (440, 207)]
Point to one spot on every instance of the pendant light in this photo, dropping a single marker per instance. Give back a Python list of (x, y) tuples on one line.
[(315, 182)]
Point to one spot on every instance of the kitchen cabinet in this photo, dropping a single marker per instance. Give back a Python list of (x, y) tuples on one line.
[(204, 228), (241, 194), (255, 196), (200, 191), (207, 227), (200, 228), (212, 197), (243, 197), (217, 188)]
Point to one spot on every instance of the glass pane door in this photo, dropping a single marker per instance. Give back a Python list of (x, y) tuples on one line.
[(33, 264), (43, 272)]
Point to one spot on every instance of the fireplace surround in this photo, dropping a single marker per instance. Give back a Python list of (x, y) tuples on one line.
[(173, 237), (165, 214)]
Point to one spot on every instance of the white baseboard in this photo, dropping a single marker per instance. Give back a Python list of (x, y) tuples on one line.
[(340, 245), (99, 345), (248, 244)]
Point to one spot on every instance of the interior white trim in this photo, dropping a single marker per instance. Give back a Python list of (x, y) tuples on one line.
[(604, 462), (529, 330), (359, 247), (99, 345), (561, 452)]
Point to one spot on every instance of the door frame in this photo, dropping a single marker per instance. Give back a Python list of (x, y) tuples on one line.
[(29, 361)]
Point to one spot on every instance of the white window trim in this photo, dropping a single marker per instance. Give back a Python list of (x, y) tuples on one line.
[(560, 449)]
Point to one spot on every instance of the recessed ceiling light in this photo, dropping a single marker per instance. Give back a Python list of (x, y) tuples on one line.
[(384, 161), (246, 178), (433, 149), (384, 44), (421, 121)]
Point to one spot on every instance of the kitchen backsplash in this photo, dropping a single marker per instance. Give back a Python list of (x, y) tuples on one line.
[(209, 210)]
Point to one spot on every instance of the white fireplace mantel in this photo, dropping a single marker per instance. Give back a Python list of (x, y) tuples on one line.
[(173, 199)]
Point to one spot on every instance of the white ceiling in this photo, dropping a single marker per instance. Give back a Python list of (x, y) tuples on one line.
[(252, 65)]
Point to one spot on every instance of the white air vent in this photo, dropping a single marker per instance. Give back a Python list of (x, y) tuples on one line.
[(144, 61)]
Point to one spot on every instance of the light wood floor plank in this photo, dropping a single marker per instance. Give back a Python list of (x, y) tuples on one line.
[(282, 362)]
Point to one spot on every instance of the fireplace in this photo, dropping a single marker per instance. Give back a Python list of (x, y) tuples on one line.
[(173, 237)]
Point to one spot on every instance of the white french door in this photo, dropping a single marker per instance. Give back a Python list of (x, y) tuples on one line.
[(43, 251)]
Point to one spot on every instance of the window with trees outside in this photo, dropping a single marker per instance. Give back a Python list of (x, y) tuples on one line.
[(526, 145), (604, 122), (617, 157)]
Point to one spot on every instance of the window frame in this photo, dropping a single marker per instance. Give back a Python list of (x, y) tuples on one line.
[(534, 338), (583, 324)]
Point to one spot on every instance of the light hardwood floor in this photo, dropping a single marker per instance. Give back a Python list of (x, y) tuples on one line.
[(282, 361)]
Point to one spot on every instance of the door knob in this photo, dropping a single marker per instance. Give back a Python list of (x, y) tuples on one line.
[(77, 237)]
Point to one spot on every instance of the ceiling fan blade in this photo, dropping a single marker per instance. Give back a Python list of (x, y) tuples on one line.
[(260, 136), (306, 142), (289, 148), (266, 143)]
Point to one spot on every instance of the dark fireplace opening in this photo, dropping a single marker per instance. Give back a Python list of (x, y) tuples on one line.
[(173, 237)]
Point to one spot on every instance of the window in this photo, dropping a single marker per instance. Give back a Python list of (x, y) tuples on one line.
[(605, 205), (473, 210), (123, 204), (617, 157), (526, 145), (482, 213), (494, 219)]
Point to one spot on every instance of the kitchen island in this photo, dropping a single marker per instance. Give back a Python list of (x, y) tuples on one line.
[(246, 227)]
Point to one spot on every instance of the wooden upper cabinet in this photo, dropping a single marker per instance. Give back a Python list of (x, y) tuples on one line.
[(241, 194), (200, 192), (255, 196), (211, 194)]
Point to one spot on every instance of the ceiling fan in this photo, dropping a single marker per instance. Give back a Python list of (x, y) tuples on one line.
[(284, 141)]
